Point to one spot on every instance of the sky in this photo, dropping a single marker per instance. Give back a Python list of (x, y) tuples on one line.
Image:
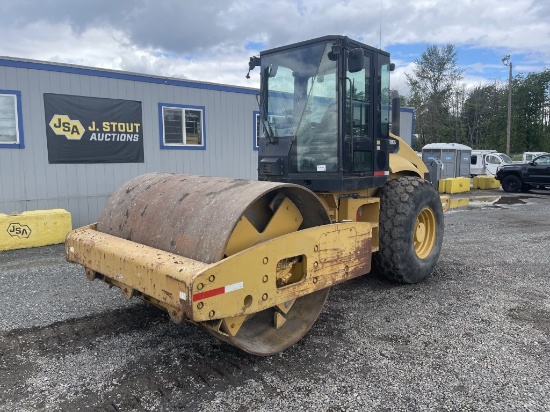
[(212, 40)]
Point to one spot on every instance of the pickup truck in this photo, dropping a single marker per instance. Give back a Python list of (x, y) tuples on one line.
[(525, 176), (486, 162), (528, 156)]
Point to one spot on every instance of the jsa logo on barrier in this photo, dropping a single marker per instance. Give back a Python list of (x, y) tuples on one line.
[(19, 230), (62, 125)]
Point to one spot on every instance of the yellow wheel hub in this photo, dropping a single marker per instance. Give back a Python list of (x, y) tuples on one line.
[(424, 233)]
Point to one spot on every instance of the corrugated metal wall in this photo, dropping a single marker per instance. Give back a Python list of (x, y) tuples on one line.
[(29, 182)]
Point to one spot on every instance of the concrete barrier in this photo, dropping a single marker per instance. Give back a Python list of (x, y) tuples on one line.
[(454, 185), (34, 228), (486, 182)]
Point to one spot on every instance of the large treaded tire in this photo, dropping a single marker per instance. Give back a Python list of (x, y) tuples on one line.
[(405, 203)]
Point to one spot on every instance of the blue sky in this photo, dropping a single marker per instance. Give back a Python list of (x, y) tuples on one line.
[(212, 40), (480, 65)]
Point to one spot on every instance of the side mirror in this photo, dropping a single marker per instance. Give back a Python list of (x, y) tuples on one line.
[(356, 60), (254, 62)]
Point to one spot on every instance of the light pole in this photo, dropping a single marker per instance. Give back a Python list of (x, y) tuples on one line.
[(506, 61)]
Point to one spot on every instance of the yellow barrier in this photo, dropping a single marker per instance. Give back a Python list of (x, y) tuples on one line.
[(454, 185), (447, 203), (456, 203), (441, 186), (34, 228), (486, 182)]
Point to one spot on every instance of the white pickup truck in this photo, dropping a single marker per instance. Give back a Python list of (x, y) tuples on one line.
[(528, 156), (486, 162)]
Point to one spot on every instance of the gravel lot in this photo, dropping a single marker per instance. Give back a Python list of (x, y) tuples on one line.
[(475, 336)]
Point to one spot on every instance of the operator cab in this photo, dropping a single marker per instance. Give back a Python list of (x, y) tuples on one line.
[(325, 114)]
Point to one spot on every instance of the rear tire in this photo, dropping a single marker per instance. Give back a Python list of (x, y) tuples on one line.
[(411, 230), (511, 184)]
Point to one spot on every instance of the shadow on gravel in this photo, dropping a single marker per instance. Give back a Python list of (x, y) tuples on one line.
[(80, 331)]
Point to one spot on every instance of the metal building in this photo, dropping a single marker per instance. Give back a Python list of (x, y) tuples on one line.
[(71, 135)]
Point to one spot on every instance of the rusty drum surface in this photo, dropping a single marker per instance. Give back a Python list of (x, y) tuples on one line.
[(194, 216)]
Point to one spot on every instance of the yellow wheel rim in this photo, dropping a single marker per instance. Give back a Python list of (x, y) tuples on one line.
[(424, 233)]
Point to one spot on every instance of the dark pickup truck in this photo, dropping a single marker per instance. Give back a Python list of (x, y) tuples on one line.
[(524, 176)]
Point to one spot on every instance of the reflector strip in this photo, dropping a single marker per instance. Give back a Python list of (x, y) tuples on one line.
[(234, 286), (382, 173), (217, 291)]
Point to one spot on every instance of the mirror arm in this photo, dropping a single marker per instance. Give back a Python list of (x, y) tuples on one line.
[(255, 61)]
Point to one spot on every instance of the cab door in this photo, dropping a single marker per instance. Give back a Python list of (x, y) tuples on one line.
[(492, 162), (539, 170), (357, 150)]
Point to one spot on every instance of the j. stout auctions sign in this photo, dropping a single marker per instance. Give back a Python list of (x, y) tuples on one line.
[(93, 130)]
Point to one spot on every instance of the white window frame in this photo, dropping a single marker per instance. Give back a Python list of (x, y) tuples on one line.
[(183, 145), (18, 143)]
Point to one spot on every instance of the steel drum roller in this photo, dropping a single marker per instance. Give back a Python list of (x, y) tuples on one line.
[(198, 217)]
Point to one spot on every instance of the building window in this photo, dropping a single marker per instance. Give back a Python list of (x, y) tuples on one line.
[(181, 127), (11, 123)]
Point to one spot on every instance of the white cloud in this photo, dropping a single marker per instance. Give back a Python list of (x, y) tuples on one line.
[(206, 40), (398, 78)]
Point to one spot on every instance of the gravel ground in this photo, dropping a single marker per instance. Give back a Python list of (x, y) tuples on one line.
[(475, 336)]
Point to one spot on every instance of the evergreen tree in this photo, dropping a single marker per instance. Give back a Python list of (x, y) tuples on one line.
[(433, 83)]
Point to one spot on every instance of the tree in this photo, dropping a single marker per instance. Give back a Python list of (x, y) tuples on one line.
[(445, 113), (484, 113), (433, 84), (529, 108)]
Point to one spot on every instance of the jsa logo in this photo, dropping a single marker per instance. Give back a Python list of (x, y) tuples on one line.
[(19, 230), (62, 125)]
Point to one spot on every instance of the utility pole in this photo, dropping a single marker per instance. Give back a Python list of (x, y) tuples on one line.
[(506, 61)]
